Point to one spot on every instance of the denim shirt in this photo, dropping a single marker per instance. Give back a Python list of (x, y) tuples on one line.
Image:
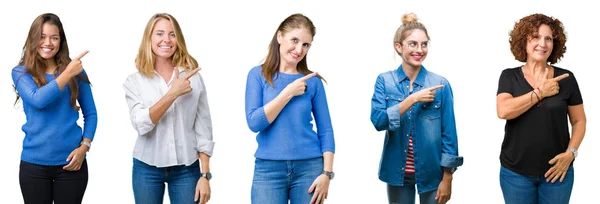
[(432, 125)]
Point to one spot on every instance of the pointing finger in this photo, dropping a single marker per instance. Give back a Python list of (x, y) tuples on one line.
[(561, 77), (191, 73), (81, 55), (308, 76), (436, 87)]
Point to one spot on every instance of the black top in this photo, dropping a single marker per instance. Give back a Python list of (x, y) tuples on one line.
[(540, 133)]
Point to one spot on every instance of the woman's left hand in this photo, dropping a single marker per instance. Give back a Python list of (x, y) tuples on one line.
[(561, 163), (444, 191), (202, 191), (320, 187), (75, 159)]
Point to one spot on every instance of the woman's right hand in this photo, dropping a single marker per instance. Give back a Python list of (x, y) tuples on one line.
[(298, 86), (181, 86), (426, 94), (549, 86), (75, 67)]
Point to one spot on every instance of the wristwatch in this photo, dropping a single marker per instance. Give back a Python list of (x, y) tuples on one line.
[(89, 145), (574, 152), (329, 174), (206, 175)]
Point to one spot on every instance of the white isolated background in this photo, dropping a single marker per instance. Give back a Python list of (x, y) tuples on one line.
[(352, 46)]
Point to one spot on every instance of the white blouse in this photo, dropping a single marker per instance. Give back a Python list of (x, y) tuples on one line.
[(185, 128)]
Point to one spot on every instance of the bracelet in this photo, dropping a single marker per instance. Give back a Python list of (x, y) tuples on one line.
[(536, 95), (539, 97)]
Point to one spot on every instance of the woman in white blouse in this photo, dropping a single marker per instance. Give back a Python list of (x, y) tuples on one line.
[(169, 110)]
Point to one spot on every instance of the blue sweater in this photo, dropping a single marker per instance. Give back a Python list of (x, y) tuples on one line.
[(290, 136), (51, 130)]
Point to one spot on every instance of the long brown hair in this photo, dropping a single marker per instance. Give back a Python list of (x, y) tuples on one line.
[(271, 65), (144, 61), (35, 65)]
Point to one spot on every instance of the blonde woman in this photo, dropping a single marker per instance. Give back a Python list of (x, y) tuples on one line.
[(169, 110), (415, 107)]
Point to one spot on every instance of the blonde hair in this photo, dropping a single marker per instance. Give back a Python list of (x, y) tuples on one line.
[(144, 61), (409, 22)]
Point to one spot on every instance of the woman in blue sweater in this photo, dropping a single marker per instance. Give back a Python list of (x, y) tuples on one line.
[(51, 84), (293, 162)]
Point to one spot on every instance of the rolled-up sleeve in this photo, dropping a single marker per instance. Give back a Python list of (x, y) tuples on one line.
[(203, 124), (139, 113), (383, 117), (450, 158)]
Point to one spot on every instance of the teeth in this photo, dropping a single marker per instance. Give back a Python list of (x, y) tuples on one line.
[(165, 47), (46, 49)]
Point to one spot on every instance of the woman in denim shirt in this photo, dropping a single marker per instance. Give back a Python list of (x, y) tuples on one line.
[(415, 107)]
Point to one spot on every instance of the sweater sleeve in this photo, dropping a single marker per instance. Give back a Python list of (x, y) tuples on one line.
[(88, 109), (322, 118), (30, 93), (255, 112)]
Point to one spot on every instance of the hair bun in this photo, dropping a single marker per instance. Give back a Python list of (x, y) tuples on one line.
[(409, 18)]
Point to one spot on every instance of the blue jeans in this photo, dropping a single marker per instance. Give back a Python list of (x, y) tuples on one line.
[(518, 188), (149, 183), (276, 182), (406, 194)]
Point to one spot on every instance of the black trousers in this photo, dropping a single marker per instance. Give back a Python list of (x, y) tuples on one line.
[(43, 184)]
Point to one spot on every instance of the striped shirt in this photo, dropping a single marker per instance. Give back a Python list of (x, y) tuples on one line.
[(410, 158)]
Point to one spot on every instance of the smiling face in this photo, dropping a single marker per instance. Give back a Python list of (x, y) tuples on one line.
[(413, 48), (163, 40), (49, 43), (539, 47), (293, 45)]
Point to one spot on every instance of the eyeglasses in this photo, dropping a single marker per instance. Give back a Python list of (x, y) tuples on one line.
[(414, 45)]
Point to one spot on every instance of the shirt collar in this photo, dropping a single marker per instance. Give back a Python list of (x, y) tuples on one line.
[(420, 80), (179, 69)]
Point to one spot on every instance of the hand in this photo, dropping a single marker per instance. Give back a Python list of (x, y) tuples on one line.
[(298, 87), (549, 86), (320, 187), (444, 191), (181, 86), (202, 191), (561, 164), (75, 67), (426, 94), (75, 159)]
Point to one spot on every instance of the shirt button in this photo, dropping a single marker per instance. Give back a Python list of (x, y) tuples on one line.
[(404, 150), (402, 168)]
